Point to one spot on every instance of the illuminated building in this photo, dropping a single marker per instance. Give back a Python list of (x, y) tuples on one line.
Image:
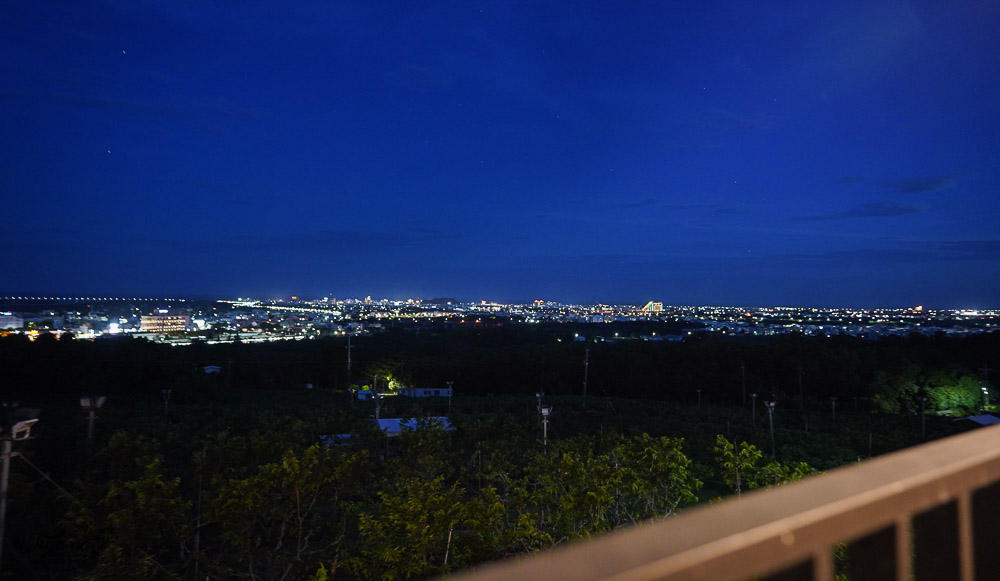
[(165, 321), (9, 320)]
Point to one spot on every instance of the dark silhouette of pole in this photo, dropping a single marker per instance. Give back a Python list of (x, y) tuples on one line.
[(586, 366), (348, 358), (802, 404), (166, 400), (754, 407), (923, 419), (6, 454), (743, 379), (770, 418), (833, 404), (450, 392)]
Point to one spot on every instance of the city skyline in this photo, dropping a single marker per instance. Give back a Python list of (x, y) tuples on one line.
[(838, 155)]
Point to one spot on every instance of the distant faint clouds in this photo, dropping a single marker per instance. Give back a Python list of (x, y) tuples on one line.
[(923, 184), (872, 210), (914, 185), (968, 249)]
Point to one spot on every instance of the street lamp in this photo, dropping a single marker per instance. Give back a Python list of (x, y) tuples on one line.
[(91, 404), (753, 406), (770, 418), (20, 430), (546, 410)]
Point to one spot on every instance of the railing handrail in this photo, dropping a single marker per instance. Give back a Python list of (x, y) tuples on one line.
[(770, 529)]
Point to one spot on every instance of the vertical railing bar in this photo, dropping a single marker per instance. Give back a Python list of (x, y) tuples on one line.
[(965, 541), (823, 565), (904, 546)]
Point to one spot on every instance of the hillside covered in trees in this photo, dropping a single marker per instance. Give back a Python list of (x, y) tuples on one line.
[(236, 478)]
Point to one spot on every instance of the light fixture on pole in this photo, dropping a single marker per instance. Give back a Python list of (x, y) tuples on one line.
[(545, 410), (20, 430), (753, 406), (91, 404), (770, 417)]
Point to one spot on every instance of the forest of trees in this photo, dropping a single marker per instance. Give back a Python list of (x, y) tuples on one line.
[(231, 479)]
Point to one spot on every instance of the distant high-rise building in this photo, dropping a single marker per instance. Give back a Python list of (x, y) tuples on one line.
[(652, 307), (165, 321)]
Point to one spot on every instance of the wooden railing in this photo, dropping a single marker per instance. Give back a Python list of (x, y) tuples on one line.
[(928, 512)]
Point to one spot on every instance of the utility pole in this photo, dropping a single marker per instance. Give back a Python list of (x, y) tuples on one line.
[(923, 419), (546, 410), (5, 454), (450, 392), (833, 404), (19, 431), (802, 405), (90, 405), (754, 407), (586, 366), (984, 379), (348, 358), (743, 378)]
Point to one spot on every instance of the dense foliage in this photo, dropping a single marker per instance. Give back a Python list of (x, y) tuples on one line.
[(233, 480)]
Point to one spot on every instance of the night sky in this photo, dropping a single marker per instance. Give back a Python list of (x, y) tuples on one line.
[(750, 153)]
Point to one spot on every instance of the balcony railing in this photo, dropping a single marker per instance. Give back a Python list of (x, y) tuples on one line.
[(928, 512)]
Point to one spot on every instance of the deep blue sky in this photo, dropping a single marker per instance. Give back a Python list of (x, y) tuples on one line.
[(839, 153)]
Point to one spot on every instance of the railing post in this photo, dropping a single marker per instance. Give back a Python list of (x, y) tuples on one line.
[(904, 560), (965, 539), (823, 565)]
